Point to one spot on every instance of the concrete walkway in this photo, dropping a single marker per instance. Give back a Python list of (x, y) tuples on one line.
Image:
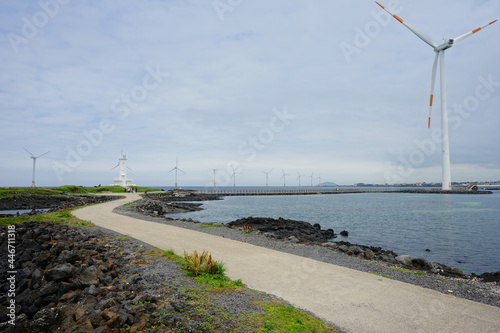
[(353, 301)]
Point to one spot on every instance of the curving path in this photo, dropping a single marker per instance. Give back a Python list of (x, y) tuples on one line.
[(353, 301)]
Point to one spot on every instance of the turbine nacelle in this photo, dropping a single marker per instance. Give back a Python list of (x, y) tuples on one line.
[(445, 45)]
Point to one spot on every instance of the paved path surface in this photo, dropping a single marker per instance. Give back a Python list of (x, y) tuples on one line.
[(353, 301)]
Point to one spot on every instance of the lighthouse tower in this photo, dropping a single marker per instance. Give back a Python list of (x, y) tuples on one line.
[(122, 179)]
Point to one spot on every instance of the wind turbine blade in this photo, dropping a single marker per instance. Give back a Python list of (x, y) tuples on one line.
[(43, 154), (29, 152), (422, 35), (470, 33), (433, 82), (180, 170)]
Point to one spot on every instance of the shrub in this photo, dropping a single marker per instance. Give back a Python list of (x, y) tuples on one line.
[(198, 264)]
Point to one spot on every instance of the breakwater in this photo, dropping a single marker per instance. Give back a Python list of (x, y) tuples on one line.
[(247, 192)]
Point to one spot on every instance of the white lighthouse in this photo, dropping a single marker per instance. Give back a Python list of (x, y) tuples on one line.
[(122, 179)]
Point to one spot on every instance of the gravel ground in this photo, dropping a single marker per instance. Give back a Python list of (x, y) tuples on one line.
[(221, 310), (472, 289)]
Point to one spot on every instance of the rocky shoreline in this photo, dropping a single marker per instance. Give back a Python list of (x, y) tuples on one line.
[(277, 234), (52, 203)]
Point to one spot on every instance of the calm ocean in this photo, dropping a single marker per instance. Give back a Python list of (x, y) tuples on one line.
[(461, 231)]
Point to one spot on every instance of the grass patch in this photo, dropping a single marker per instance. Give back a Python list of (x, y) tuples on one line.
[(196, 264), (404, 270), (281, 317), (218, 283), (6, 192), (122, 237), (62, 216), (66, 190), (208, 225), (383, 275), (167, 254)]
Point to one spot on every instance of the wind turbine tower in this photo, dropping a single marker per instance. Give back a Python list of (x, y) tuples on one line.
[(215, 184), (439, 57), (176, 168), (298, 178), (267, 176), (234, 176), (33, 157), (284, 177), (122, 179)]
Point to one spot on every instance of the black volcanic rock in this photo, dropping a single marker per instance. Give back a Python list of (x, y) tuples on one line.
[(283, 228)]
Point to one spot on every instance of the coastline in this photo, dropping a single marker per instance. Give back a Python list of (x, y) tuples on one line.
[(463, 286)]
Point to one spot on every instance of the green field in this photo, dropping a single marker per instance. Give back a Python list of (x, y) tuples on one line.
[(66, 190)]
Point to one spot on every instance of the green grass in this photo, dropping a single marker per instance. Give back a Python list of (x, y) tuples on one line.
[(281, 317), (65, 190), (6, 192), (207, 225), (409, 271), (62, 216), (382, 275), (122, 237), (72, 189)]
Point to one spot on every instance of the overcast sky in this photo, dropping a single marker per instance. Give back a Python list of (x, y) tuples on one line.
[(331, 88)]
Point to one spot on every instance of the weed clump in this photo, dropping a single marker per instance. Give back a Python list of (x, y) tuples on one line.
[(199, 264)]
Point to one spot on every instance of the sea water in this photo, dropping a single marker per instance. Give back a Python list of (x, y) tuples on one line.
[(458, 230)]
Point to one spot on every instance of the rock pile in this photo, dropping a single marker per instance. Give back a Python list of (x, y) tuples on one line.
[(154, 207), (181, 195), (405, 261), (69, 279), (296, 231)]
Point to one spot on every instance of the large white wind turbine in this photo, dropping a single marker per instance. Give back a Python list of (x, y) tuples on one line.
[(33, 157), (439, 49), (176, 168)]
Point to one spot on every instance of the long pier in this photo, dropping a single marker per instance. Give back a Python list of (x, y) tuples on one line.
[(237, 192)]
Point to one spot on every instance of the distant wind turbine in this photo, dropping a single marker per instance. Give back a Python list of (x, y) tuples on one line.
[(312, 177), (267, 176), (234, 176), (439, 50), (33, 157), (298, 178), (176, 168), (284, 177)]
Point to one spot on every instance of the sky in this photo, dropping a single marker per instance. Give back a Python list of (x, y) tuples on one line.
[(331, 89)]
